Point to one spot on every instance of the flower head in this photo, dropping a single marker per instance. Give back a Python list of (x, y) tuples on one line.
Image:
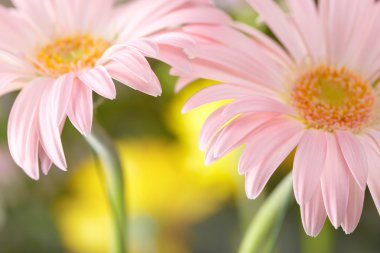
[(59, 52), (317, 93)]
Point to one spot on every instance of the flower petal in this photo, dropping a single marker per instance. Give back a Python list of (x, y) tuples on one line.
[(190, 15), (10, 82), (131, 68), (258, 104), (346, 24), (146, 47), (313, 214), (305, 15), (354, 207), (373, 156), (148, 83), (80, 108), (176, 39), (215, 93), (42, 13), (23, 136), (262, 157), (275, 50), (335, 182), (134, 15), (21, 34), (99, 81), (45, 161), (355, 157), (237, 132), (175, 57), (52, 113), (212, 126), (308, 165), (280, 25)]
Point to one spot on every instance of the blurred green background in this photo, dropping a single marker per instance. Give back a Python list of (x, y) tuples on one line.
[(175, 204)]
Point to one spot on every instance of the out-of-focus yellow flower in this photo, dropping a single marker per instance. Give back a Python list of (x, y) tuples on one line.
[(168, 189)]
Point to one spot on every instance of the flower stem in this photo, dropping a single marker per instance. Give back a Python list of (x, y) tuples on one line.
[(265, 226), (109, 162)]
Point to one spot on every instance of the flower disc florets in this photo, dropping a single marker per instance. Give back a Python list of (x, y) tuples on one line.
[(332, 99), (69, 53)]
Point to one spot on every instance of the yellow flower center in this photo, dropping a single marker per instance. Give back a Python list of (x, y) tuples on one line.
[(68, 54), (332, 99)]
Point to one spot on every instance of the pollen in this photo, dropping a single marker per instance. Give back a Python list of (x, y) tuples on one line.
[(67, 54), (333, 99)]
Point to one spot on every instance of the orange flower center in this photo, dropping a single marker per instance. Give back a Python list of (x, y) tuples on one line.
[(68, 54), (332, 99)]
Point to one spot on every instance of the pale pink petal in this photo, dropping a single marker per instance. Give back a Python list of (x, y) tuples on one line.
[(67, 16), (237, 51), (210, 156), (122, 74), (237, 132), (11, 63), (151, 87), (280, 25), (99, 80), (266, 150), (80, 108), (313, 214), (369, 53), (175, 57), (345, 24), (359, 45), (42, 13), (273, 48), (21, 34), (192, 15), (10, 82), (23, 138), (45, 162), (335, 182), (89, 17), (354, 207), (280, 127), (216, 71), (215, 93), (176, 39), (133, 61), (308, 165), (142, 18), (211, 126), (130, 67), (355, 157), (373, 156), (256, 70), (305, 15), (258, 104), (217, 62), (132, 16), (52, 113), (146, 47)]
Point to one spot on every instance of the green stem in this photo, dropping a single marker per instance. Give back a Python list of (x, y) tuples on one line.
[(109, 162), (265, 226)]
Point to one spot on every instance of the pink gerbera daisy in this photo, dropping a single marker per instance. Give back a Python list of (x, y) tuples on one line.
[(60, 51), (317, 93)]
